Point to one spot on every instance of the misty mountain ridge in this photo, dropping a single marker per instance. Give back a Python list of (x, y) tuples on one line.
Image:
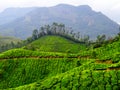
[(10, 14), (81, 18)]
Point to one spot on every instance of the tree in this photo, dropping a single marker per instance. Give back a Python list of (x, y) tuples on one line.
[(119, 32), (54, 28), (86, 39), (78, 35), (40, 32), (29, 40), (100, 39), (12, 45), (61, 29), (35, 34), (47, 28)]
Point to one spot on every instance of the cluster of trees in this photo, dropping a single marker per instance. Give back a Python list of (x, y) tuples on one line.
[(102, 40), (12, 45), (60, 30)]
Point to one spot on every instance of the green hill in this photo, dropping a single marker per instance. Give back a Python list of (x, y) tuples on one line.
[(7, 43), (108, 52), (42, 66), (8, 40), (55, 44)]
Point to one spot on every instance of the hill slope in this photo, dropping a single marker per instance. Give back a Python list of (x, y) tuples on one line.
[(10, 14), (55, 44), (80, 18), (26, 69)]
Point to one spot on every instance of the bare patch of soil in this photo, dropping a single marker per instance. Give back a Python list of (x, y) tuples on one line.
[(113, 68), (104, 61)]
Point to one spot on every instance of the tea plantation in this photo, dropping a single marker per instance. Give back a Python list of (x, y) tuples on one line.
[(56, 63)]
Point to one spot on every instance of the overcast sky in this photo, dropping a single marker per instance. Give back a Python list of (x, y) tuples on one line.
[(111, 8)]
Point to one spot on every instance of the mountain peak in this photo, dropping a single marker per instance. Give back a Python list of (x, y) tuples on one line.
[(86, 7), (64, 5)]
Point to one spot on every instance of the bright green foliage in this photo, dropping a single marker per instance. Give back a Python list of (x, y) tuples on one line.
[(55, 44), (107, 52), (17, 72), (77, 80), (52, 63), (19, 53)]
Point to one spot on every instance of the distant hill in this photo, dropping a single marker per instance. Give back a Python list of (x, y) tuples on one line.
[(81, 18), (10, 14), (8, 40)]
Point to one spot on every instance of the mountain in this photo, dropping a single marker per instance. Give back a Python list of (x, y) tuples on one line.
[(10, 14), (81, 18)]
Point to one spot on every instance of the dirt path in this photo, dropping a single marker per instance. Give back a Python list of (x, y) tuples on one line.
[(104, 61), (37, 57)]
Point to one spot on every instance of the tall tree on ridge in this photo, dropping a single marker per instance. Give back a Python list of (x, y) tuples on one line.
[(35, 34)]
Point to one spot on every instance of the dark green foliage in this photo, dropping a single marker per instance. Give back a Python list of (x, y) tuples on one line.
[(78, 63), (94, 54), (1, 74), (35, 34)]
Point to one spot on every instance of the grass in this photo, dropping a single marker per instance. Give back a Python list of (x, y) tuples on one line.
[(55, 44)]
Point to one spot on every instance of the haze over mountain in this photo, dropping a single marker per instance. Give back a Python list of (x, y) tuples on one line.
[(81, 18), (11, 14)]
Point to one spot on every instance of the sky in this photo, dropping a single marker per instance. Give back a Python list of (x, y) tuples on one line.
[(110, 8)]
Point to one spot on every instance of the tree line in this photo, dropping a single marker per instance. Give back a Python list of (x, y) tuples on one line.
[(59, 30), (12, 45)]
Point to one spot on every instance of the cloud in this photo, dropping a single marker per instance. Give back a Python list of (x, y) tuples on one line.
[(116, 7)]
